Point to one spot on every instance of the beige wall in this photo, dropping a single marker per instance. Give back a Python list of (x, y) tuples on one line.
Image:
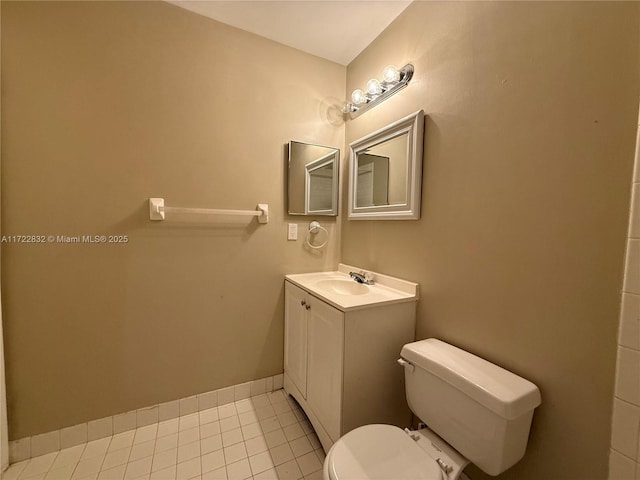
[(531, 116), (104, 105), (625, 428)]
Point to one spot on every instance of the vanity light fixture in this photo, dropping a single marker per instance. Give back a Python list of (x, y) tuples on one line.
[(393, 79)]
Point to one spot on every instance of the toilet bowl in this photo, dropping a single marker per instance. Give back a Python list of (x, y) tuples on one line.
[(475, 411), (386, 452)]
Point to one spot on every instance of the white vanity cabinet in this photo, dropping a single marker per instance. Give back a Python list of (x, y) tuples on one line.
[(313, 354), (340, 362), (295, 337)]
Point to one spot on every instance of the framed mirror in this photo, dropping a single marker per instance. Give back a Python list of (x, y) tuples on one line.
[(385, 173), (313, 179)]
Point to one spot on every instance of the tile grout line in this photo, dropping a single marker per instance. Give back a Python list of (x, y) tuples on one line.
[(276, 414), (22, 449)]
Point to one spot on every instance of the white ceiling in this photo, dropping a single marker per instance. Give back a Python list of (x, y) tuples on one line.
[(335, 30)]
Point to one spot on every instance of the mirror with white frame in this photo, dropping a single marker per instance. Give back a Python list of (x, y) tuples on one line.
[(385, 174), (313, 179)]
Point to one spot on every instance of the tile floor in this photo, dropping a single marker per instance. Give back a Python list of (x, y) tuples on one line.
[(262, 437)]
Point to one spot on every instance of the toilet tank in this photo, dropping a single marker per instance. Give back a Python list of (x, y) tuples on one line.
[(480, 409)]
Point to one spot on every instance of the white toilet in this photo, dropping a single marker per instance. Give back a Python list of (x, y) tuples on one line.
[(475, 412)]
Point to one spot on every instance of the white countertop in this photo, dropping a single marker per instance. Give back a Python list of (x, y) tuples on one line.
[(385, 290)]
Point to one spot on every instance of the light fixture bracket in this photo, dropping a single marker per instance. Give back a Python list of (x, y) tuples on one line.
[(406, 73)]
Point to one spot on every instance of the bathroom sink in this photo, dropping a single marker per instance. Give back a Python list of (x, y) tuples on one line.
[(339, 290), (343, 287)]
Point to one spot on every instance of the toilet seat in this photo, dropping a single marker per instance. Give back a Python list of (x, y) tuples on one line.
[(380, 452)]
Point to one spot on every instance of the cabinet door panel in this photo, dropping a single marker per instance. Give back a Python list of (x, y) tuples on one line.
[(295, 336), (324, 383)]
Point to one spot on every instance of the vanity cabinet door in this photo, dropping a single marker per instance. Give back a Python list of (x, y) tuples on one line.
[(324, 382), (295, 336)]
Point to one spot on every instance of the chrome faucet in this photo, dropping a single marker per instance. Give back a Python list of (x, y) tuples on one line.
[(361, 278)]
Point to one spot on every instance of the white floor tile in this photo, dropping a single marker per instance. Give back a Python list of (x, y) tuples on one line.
[(219, 474), (227, 410), (251, 431), (282, 407), (115, 473), (287, 419), (117, 458), (265, 412), (277, 396), (317, 475), (96, 448), (189, 451), (213, 461), (301, 446), (138, 468), (61, 473), (189, 436), (68, 456), (259, 437), (167, 443), (209, 429), (281, 454), (87, 467), (142, 450), (164, 460), (40, 476), (275, 438), (209, 415), (189, 421), (260, 462), (168, 473), (293, 431), (239, 470), (256, 445), (289, 471), (168, 427), (246, 405), (229, 423), (309, 463), (211, 444), (232, 437), (235, 452), (248, 418), (270, 424), (91, 476), (144, 434), (260, 401), (188, 469), (121, 440), (270, 474), (39, 465), (14, 470)]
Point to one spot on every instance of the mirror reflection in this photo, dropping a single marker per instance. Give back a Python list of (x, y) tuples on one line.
[(385, 173), (382, 173), (313, 179)]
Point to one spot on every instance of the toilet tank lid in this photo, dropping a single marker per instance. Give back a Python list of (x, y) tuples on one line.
[(501, 391)]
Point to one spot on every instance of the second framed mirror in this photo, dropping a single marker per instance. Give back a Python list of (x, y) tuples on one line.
[(385, 172)]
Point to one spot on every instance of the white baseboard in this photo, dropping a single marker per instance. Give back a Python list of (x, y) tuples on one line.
[(44, 443)]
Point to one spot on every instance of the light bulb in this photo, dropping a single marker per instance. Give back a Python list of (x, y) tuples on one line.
[(358, 97), (390, 74), (374, 87)]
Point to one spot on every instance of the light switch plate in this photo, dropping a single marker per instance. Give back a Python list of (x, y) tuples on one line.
[(292, 232)]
